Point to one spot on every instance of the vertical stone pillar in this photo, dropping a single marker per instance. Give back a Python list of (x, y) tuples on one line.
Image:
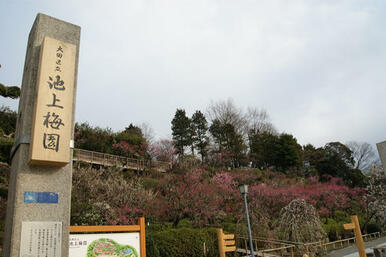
[(39, 195), (382, 153)]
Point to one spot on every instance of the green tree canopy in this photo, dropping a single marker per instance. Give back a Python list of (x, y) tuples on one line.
[(262, 148), (180, 131), (11, 92), (335, 159), (132, 135), (93, 138), (228, 140), (7, 120), (266, 150), (199, 126), (288, 152)]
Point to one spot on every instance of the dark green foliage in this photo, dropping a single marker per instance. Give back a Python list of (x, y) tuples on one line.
[(334, 228), (217, 133), (11, 92), (4, 178), (130, 143), (339, 149), (5, 149), (267, 150), (7, 128), (355, 178), (181, 131), (132, 135), (185, 223), (93, 138), (373, 227), (262, 149), (288, 152), (184, 242), (7, 120), (334, 159), (199, 126), (228, 141)]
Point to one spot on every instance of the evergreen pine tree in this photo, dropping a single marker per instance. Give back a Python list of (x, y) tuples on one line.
[(180, 131), (200, 128)]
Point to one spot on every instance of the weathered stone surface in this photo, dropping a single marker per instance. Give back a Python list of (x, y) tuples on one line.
[(382, 153), (25, 177)]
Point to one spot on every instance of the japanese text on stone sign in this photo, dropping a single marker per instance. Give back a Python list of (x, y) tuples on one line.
[(52, 120)]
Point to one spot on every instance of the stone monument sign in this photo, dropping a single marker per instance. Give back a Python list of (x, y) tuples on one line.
[(39, 194), (382, 153)]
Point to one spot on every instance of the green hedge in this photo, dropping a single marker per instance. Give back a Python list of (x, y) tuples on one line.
[(183, 242)]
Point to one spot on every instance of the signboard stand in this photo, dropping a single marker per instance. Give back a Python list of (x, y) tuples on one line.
[(39, 195), (135, 245), (226, 243), (354, 225)]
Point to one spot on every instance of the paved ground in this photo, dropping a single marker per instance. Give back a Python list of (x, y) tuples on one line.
[(352, 251)]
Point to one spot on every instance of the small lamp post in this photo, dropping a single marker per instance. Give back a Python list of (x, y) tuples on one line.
[(244, 191)]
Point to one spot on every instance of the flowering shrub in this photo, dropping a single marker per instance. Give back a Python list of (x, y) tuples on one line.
[(187, 196), (105, 196), (133, 151), (162, 150), (325, 197), (204, 198)]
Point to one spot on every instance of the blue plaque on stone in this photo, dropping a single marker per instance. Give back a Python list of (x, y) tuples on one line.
[(41, 197)]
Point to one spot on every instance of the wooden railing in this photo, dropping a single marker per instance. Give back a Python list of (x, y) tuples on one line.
[(110, 160), (328, 246), (272, 247), (266, 247)]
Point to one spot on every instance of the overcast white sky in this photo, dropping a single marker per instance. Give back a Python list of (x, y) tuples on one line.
[(317, 67)]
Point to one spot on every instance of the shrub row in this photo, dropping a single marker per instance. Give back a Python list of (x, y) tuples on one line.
[(183, 242)]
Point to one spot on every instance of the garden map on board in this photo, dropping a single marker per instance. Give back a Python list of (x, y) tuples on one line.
[(105, 245)]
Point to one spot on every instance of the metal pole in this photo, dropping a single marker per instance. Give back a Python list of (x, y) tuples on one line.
[(249, 225)]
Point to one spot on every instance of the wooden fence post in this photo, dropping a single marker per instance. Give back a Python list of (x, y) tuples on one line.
[(220, 237), (142, 235), (354, 225)]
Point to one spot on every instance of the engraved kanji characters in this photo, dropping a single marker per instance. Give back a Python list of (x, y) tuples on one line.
[(51, 141), (58, 84), (53, 120)]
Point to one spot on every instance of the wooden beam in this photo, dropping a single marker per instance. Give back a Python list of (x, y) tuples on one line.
[(230, 236), (83, 229), (230, 249), (229, 242), (142, 237), (349, 226)]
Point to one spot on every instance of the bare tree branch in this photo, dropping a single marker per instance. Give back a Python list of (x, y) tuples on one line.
[(363, 154)]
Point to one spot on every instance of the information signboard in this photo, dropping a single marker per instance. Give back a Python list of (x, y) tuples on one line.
[(41, 238), (112, 244), (100, 241)]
